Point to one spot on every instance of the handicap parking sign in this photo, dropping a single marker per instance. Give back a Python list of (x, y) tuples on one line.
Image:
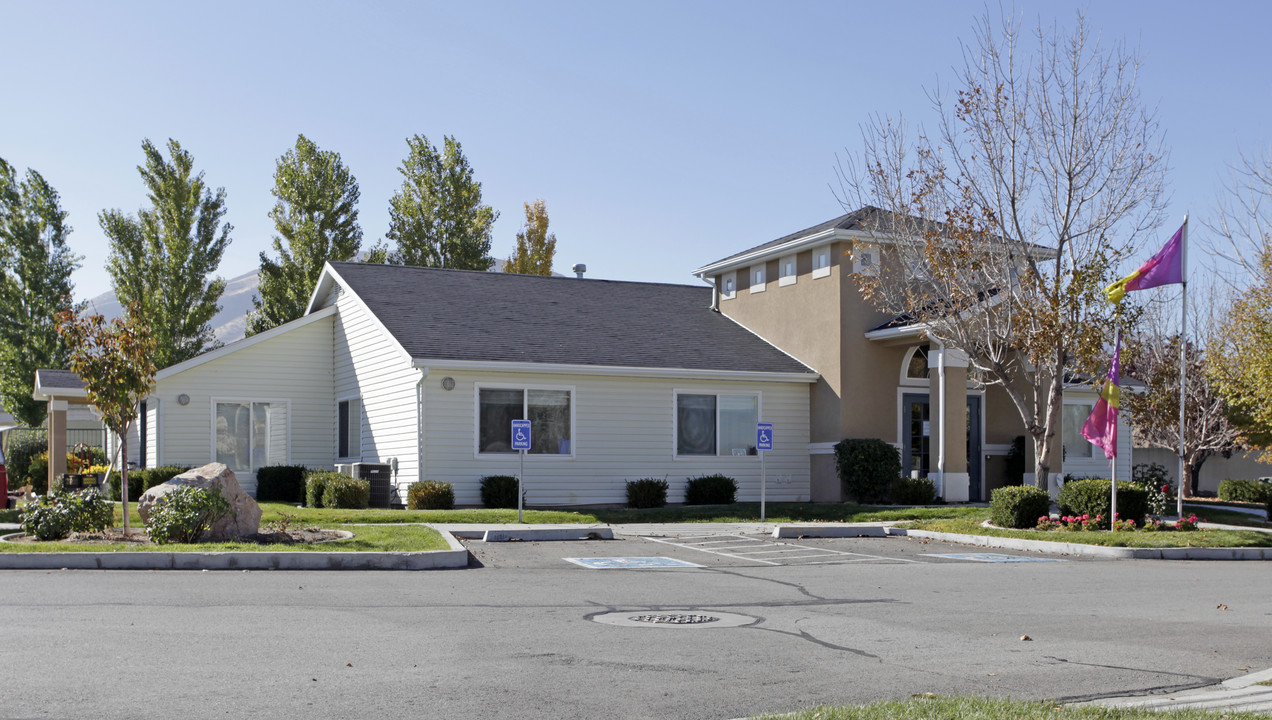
[(764, 436), (520, 434)]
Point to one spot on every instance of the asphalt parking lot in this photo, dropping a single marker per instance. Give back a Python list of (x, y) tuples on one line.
[(735, 550)]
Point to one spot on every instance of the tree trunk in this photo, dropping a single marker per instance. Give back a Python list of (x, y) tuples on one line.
[(123, 476), (1042, 469)]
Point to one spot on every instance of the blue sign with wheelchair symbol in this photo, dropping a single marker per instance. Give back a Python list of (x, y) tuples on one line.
[(520, 434), (764, 436)]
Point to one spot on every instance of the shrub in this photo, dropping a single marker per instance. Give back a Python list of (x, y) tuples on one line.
[(1156, 482), (24, 445), (281, 483), (867, 468), (316, 484), (913, 491), (346, 493), (1018, 506), (646, 493), (499, 491), (1267, 510), (1251, 491), (1091, 497), (53, 517), (430, 495), (38, 473), (142, 479), (711, 490), (183, 515)]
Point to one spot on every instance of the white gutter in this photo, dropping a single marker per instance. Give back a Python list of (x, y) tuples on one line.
[(420, 455), (618, 371)]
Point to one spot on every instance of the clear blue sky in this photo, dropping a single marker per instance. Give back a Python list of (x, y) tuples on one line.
[(662, 135)]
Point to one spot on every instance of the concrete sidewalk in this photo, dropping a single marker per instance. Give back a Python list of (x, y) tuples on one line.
[(1239, 694)]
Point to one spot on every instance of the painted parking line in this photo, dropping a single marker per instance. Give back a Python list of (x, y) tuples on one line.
[(631, 563), (753, 547), (991, 557)]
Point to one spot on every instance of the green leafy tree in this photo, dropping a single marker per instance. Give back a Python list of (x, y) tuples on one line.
[(437, 218), (35, 281), (116, 362), (535, 245), (162, 260), (316, 217)]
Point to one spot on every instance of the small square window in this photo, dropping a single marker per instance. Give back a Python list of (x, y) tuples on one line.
[(757, 279), (787, 268), (821, 263)]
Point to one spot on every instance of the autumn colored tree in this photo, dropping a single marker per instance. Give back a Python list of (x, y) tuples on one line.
[(997, 231), (536, 247), (35, 279), (116, 362), (437, 219), (164, 259), (1242, 367), (316, 218)]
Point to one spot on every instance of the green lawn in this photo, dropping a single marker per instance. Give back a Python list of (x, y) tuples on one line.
[(971, 525), (739, 512), (375, 538), (1223, 516), (972, 708)]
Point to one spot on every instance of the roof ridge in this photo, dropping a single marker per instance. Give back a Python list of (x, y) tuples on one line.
[(347, 263)]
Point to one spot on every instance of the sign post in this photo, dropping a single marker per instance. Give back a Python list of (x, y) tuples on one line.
[(520, 443), (763, 443)]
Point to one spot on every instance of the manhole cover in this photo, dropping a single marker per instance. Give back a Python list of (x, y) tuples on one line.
[(675, 619), (672, 619)]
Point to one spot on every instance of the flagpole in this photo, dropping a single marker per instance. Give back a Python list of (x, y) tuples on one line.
[(1117, 344), (1183, 364)]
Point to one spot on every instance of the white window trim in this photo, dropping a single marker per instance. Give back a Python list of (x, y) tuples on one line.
[(675, 421), (271, 401), (730, 278), (869, 250), (784, 278), (905, 368), (362, 426), (758, 271), (531, 457), (821, 272)]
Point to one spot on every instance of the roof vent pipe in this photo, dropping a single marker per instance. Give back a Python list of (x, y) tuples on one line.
[(579, 269)]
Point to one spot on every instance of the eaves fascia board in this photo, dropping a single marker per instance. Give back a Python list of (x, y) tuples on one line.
[(245, 343), (61, 393), (616, 371), (821, 238), (916, 330)]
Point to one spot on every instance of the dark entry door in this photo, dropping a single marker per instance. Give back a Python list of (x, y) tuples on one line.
[(917, 428)]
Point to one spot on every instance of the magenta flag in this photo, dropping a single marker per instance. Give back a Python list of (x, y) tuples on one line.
[(1101, 427), (1164, 268)]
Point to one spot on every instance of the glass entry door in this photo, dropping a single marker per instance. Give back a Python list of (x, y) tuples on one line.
[(917, 428)]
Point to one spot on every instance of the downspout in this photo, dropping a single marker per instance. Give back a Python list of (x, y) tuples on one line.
[(940, 458), (419, 424)]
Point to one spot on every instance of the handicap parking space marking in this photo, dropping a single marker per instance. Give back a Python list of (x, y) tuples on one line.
[(991, 557), (631, 563), (751, 547)]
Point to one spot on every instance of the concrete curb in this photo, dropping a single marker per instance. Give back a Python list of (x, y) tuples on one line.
[(456, 556), (536, 534), (1199, 553), (831, 531)]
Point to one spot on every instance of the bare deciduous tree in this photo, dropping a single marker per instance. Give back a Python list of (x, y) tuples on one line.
[(1001, 229)]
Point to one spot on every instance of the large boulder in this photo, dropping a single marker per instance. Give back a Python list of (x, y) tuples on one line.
[(244, 517)]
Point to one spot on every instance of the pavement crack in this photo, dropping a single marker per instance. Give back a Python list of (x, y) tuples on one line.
[(1195, 682), (803, 635)]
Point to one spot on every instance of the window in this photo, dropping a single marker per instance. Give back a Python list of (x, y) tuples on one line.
[(250, 435), (728, 286), (865, 259), (349, 428), (757, 279), (548, 410), (821, 262), (716, 424), (1075, 446), (787, 269), (917, 366)]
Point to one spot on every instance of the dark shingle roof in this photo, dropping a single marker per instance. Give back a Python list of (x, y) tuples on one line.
[(855, 220), (58, 379), (477, 316)]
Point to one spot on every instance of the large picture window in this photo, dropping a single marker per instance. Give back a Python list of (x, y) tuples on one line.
[(1075, 446), (250, 435), (716, 424), (548, 410)]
